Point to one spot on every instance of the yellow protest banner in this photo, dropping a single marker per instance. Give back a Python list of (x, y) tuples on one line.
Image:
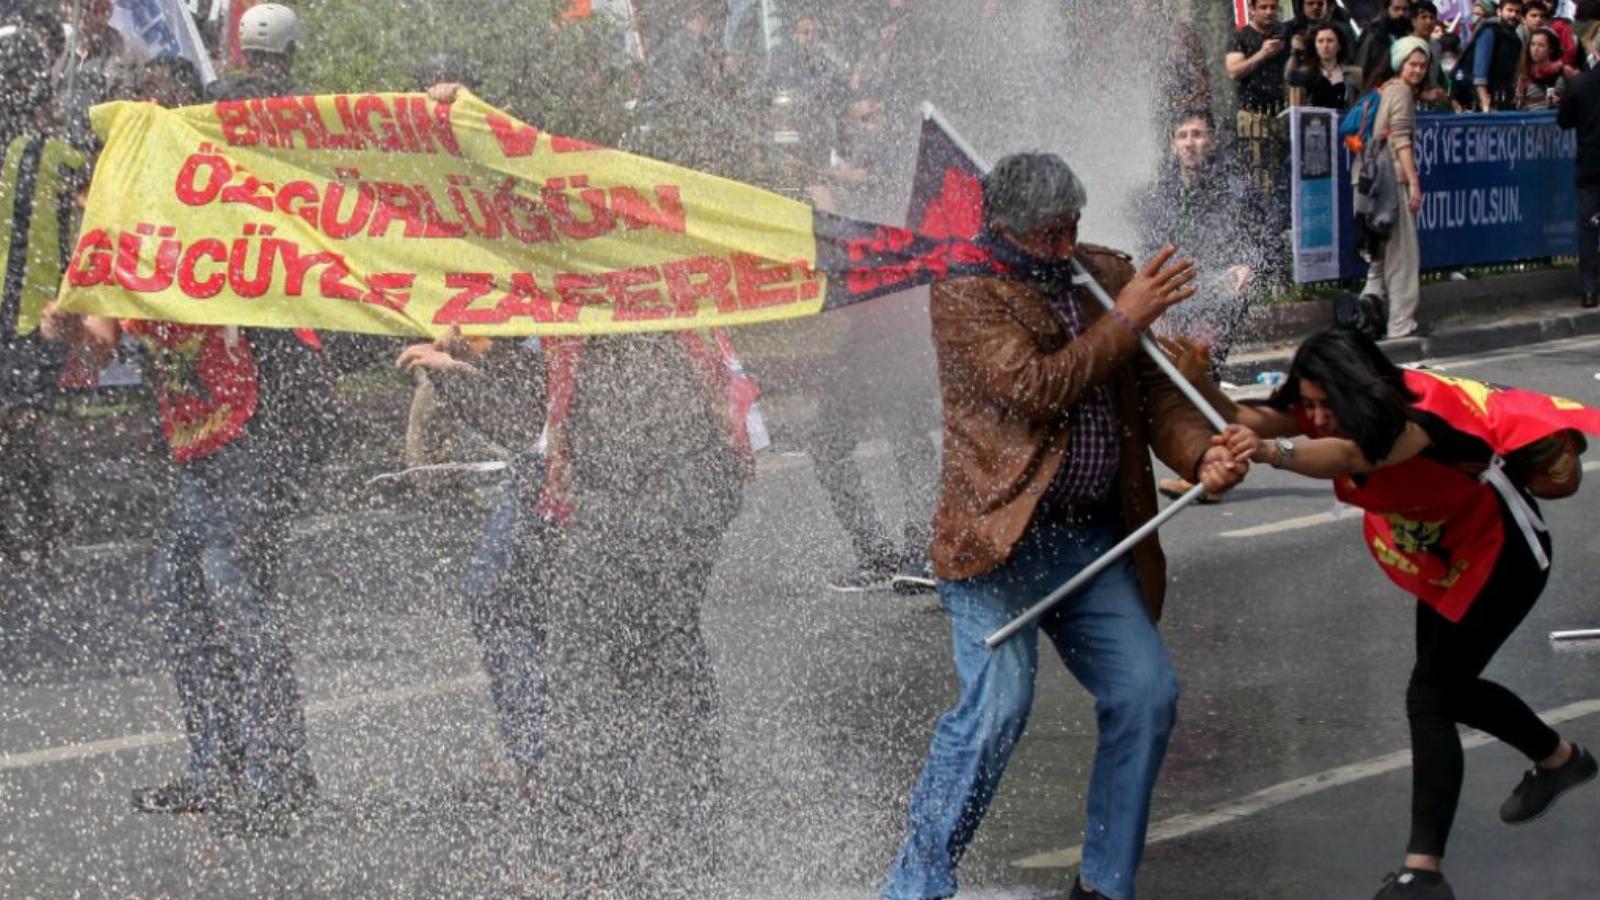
[(392, 214)]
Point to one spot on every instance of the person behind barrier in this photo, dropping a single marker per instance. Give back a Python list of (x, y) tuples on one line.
[(1447, 470)]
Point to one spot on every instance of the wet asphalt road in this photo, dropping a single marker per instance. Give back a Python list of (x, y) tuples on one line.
[(1292, 648)]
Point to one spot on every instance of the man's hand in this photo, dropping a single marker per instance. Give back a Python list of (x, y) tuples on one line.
[(1192, 357), (1159, 286), (430, 357), (1220, 471), (58, 326), (1269, 48), (444, 92)]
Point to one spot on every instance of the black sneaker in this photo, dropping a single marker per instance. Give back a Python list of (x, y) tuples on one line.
[(1080, 893), (859, 581), (180, 796), (1406, 885), (1539, 788)]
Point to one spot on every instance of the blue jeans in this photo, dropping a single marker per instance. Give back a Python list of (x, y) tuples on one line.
[(1107, 640), (214, 577), (499, 588)]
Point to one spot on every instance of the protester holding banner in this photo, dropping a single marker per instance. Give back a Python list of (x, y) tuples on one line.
[(1446, 470), (249, 415), (1394, 276), (1048, 406)]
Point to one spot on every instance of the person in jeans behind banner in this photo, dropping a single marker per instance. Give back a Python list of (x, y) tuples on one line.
[(1446, 470), (1395, 275), (1050, 413), (1580, 112)]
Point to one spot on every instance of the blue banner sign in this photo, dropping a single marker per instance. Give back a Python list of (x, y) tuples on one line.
[(1496, 188)]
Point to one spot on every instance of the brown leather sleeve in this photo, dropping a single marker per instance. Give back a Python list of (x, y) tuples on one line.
[(982, 343)]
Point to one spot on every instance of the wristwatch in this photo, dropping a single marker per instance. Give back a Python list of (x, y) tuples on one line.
[(1285, 450)]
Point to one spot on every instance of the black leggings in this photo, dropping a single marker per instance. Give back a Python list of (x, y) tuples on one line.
[(1445, 690)]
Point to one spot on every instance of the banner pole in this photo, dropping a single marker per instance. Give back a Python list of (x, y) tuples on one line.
[(1093, 569), (1082, 278)]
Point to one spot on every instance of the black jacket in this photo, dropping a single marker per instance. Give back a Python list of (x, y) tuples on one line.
[(1580, 111)]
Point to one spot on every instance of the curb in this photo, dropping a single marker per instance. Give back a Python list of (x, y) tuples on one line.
[(1448, 341)]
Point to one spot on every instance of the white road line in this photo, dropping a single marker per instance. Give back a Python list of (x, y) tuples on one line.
[(1294, 524), (70, 752), (1290, 791), (1324, 518)]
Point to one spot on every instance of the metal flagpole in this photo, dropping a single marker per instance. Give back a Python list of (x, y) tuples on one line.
[(1094, 568), (1082, 278)]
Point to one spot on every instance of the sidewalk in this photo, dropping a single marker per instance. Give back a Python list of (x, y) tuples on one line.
[(1474, 316)]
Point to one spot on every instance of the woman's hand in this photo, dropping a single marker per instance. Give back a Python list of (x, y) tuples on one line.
[(1414, 201), (1240, 441), (1221, 471), (1191, 357)]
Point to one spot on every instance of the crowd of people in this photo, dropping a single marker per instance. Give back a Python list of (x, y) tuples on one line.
[(1050, 415)]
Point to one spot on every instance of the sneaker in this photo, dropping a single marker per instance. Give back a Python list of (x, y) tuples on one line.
[(1079, 892), (1539, 788), (1405, 885), (862, 580), (180, 796)]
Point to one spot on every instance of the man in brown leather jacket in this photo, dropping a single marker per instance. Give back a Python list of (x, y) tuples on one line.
[(1050, 412)]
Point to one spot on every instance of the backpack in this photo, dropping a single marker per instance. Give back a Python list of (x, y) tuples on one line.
[(1355, 129)]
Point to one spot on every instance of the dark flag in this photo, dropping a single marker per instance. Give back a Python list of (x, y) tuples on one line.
[(942, 238)]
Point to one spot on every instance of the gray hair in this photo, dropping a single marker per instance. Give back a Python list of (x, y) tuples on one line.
[(1027, 191)]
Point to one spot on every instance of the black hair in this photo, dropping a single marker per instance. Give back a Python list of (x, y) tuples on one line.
[(1449, 42), (1366, 392), (1530, 4), (178, 72), (1423, 6)]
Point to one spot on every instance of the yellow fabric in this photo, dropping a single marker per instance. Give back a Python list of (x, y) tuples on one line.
[(42, 276), (240, 214)]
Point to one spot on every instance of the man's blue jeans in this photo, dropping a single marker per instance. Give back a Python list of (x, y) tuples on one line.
[(214, 578), (1107, 640), (499, 590)]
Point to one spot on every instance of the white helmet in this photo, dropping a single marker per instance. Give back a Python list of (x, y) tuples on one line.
[(269, 28)]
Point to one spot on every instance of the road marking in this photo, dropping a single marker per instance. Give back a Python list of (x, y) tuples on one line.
[(90, 749), (1289, 791), (1324, 518), (1545, 349), (1294, 524)]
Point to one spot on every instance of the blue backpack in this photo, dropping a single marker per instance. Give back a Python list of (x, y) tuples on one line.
[(1357, 121)]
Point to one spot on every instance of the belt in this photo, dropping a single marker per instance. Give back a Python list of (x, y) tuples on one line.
[(1082, 514)]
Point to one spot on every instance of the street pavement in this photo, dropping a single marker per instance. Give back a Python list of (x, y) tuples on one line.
[(1287, 776)]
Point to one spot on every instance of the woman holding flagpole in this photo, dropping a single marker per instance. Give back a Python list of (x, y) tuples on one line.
[(1446, 470)]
